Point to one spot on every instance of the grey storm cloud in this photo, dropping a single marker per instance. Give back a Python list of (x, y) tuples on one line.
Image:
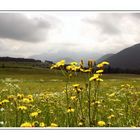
[(17, 26)]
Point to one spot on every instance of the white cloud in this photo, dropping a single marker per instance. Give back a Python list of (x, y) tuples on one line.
[(68, 30)]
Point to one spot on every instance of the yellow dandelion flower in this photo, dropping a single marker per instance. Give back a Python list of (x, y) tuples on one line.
[(78, 90), (70, 110), (81, 69), (34, 114), (30, 96), (58, 64), (86, 71), (61, 63), (73, 63), (53, 125), (105, 63), (20, 96), (25, 100), (111, 116), (94, 77), (69, 68), (26, 124), (42, 124), (22, 108), (35, 124), (101, 123), (76, 68), (122, 85), (73, 97), (99, 71), (80, 124), (11, 97), (5, 101), (53, 66), (76, 85), (96, 103), (72, 68), (100, 65)]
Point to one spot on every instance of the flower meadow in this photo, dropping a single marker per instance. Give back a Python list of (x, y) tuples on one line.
[(92, 103)]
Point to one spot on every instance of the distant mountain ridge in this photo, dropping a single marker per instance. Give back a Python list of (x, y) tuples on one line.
[(128, 58), (104, 57), (69, 55)]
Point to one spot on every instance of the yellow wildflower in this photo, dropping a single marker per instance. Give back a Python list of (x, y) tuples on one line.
[(53, 66), (111, 116), (76, 85), (11, 97), (34, 114), (86, 71), (35, 124), (100, 65), (26, 100), (101, 123), (53, 125), (70, 110), (42, 124), (94, 77), (30, 96), (58, 64), (22, 108), (122, 85), (26, 124), (20, 96), (73, 63), (105, 63), (73, 97), (81, 69), (5, 101), (69, 68), (99, 71), (80, 124)]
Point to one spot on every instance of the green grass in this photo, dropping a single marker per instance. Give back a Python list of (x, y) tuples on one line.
[(51, 85), (41, 79)]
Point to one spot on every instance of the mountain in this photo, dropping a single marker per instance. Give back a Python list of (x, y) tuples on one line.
[(69, 55), (128, 58), (67, 59), (104, 57)]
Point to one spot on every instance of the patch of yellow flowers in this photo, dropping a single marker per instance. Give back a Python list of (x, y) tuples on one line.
[(73, 66)]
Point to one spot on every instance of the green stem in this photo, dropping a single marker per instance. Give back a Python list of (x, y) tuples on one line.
[(80, 103), (67, 100), (89, 102)]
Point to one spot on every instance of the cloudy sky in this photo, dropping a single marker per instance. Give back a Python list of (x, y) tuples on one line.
[(26, 34)]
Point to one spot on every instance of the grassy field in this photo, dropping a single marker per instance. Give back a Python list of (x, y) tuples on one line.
[(44, 98)]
